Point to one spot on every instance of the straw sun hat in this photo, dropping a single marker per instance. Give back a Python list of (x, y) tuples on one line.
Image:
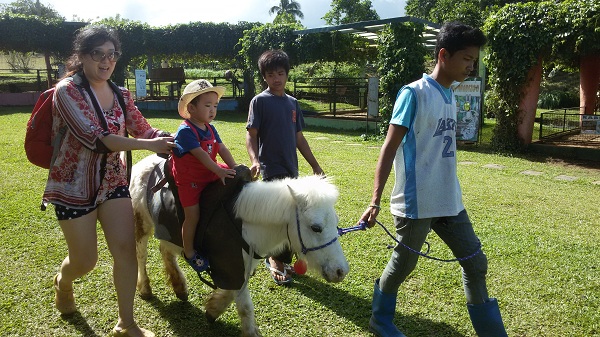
[(196, 88)]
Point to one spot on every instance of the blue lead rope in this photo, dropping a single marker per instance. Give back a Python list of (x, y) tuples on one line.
[(363, 226)]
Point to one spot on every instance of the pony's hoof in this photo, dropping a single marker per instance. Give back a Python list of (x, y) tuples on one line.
[(146, 296), (254, 333), (209, 318), (182, 296)]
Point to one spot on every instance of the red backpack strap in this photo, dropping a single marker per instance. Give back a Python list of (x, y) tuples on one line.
[(193, 127)]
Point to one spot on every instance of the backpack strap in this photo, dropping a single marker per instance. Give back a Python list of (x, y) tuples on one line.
[(121, 100), (82, 82), (80, 79), (128, 156)]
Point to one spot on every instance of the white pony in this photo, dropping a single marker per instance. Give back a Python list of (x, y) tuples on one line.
[(298, 213)]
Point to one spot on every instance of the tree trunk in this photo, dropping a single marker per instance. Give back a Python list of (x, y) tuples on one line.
[(528, 104), (589, 80), (48, 69)]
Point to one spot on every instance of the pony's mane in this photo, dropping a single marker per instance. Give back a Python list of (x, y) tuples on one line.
[(275, 199)]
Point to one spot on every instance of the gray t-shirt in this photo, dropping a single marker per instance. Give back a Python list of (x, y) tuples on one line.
[(278, 119)]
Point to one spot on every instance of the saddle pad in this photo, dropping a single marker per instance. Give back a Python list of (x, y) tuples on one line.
[(219, 233), (164, 206)]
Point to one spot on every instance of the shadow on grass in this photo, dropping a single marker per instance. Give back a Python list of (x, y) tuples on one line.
[(184, 320), (187, 320), (358, 310), (80, 323), (530, 154), (535, 157)]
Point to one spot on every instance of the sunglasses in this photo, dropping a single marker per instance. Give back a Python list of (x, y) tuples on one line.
[(99, 55)]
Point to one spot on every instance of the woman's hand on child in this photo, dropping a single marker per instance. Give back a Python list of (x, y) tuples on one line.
[(161, 144)]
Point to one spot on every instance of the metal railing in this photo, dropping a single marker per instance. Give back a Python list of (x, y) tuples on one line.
[(339, 95), (565, 126), (233, 89), (14, 81)]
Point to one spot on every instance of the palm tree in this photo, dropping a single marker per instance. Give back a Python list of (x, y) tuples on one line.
[(287, 8)]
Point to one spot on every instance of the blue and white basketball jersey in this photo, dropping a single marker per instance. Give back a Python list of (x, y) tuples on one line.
[(425, 164)]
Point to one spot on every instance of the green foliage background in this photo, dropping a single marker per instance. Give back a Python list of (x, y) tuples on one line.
[(401, 60), (519, 34)]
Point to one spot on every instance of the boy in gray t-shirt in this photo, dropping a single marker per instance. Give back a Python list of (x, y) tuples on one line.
[(275, 124)]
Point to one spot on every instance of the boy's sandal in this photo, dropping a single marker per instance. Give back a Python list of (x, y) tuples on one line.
[(289, 268), (124, 332), (198, 262), (63, 300), (274, 271)]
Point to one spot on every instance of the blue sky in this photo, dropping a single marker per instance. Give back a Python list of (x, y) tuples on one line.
[(162, 13)]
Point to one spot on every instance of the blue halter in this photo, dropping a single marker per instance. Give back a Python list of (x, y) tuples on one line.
[(304, 249)]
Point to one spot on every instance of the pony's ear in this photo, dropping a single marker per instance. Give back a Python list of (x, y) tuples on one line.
[(300, 201)]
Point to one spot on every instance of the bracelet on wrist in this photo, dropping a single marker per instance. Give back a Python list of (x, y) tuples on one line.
[(375, 206)]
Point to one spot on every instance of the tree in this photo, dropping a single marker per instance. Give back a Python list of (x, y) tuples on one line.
[(420, 8), (348, 11), (471, 12), (31, 8), (401, 60), (465, 11), (287, 12)]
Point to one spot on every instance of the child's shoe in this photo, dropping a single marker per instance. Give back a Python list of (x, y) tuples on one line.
[(198, 262)]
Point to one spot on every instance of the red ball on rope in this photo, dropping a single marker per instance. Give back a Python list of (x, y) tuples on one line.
[(300, 267)]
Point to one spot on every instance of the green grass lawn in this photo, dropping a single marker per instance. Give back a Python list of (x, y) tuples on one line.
[(540, 235)]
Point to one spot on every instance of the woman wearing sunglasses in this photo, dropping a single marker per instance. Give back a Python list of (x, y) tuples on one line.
[(88, 180)]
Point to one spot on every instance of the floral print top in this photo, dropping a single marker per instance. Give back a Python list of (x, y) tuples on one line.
[(76, 179)]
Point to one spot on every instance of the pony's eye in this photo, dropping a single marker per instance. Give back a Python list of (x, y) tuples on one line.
[(316, 228)]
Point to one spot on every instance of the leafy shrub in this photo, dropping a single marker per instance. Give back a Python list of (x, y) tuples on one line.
[(504, 137), (326, 70), (558, 99), (401, 60), (203, 73), (491, 105), (559, 88), (20, 61)]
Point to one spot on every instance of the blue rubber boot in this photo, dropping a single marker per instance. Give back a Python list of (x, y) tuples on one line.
[(486, 319), (384, 307)]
